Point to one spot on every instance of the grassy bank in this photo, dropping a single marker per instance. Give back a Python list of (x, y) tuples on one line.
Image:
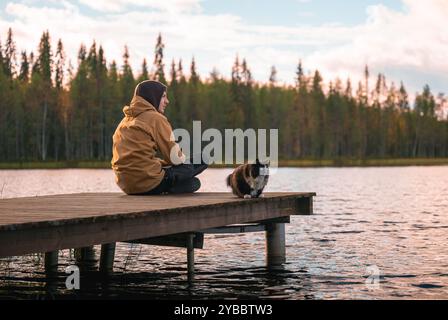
[(365, 162), (283, 163), (56, 165)]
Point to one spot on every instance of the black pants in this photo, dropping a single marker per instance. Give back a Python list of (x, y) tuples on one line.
[(177, 176)]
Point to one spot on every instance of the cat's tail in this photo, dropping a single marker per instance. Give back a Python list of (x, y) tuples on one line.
[(228, 180)]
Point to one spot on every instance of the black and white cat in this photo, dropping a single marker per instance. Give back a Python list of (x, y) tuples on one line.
[(249, 180)]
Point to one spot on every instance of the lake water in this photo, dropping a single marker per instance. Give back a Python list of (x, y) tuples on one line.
[(391, 222)]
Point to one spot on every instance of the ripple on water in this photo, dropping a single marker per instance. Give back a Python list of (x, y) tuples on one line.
[(347, 232), (428, 286)]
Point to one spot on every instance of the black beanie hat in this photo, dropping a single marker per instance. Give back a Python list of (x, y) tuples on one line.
[(151, 91)]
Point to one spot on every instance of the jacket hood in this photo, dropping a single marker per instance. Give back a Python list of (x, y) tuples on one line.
[(137, 106), (151, 90)]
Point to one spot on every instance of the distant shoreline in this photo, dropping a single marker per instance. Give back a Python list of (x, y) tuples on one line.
[(305, 163)]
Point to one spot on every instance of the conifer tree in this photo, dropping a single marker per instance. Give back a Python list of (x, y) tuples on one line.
[(44, 85), (403, 99), (24, 74), (10, 59), (144, 73), (127, 81), (159, 73), (273, 76), (193, 93), (366, 79), (300, 75)]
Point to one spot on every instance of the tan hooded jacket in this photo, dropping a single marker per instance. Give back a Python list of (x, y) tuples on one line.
[(139, 136)]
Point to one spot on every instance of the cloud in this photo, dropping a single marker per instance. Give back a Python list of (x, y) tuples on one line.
[(122, 5), (410, 42)]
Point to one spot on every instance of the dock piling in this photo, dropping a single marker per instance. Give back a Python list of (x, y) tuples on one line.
[(190, 255), (107, 258), (51, 262), (85, 258), (275, 244)]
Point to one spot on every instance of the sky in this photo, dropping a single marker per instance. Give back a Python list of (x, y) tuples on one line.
[(405, 39)]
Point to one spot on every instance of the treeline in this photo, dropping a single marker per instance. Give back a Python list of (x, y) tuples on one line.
[(51, 111)]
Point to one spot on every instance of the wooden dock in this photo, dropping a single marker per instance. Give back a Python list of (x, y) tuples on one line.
[(47, 224)]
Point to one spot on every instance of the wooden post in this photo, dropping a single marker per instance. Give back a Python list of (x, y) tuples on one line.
[(85, 258), (107, 257), (51, 262), (275, 244), (190, 256)]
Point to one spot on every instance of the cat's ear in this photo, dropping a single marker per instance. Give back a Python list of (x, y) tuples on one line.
[(257, 161)]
